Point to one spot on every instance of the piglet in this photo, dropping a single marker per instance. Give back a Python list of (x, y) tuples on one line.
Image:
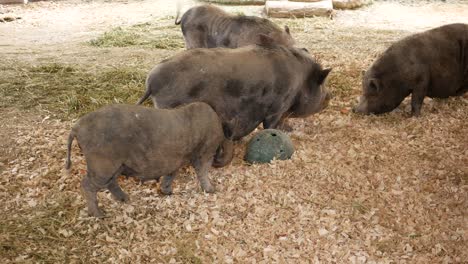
[(146, 143)]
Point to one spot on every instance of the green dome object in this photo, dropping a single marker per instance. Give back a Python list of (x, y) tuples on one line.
[(268, 144)]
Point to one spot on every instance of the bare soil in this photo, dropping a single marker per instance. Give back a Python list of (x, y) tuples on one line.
[(359, 189)]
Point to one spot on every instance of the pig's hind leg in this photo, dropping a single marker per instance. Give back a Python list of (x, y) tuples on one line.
[(462, 90), (202, 167), (113, 185), (116, 191), (102, 174), (166, 184), (90, 190)]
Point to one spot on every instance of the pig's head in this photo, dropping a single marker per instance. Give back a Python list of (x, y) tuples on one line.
[(282, 37), (381, 92), (313, 95)]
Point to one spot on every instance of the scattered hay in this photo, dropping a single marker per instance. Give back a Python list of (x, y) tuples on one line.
[(116, 38), (149, 35), (168, 41), (68, 91)]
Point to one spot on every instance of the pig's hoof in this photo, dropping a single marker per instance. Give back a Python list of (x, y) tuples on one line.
[(209, 189), (166, 191), (122, 197), (96, 213)]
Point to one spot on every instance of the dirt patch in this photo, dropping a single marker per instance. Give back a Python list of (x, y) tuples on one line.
[(377, 189)]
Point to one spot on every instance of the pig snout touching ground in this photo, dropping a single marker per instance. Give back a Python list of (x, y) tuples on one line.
[(146, 143), (433, 63)]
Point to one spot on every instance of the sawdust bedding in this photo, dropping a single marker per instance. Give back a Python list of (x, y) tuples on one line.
[(358, 189)]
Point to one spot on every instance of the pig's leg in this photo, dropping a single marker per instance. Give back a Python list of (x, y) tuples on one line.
[(101, 174), (90, 193), (116, 191), (166, 184), (418, 94), (201, 167), (417, 100), (284, 124), (272, 121)]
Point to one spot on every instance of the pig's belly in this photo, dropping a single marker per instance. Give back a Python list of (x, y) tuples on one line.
[(153, 169), (442, 92)]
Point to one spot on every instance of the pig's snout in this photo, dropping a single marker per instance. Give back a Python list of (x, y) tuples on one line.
[(326, 99), (355, 109), (361, 106), (328, 96)]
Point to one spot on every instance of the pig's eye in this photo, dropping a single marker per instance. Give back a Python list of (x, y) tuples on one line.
[(373, 88)]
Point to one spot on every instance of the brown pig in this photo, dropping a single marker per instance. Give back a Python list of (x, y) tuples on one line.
[(146, 143)]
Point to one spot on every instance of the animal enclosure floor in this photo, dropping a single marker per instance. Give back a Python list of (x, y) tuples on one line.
[(359, 189)]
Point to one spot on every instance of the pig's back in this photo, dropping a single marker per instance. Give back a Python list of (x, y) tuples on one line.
[(146, 140)]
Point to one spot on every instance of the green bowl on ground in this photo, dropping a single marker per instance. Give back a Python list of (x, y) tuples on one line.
[(267, 145)]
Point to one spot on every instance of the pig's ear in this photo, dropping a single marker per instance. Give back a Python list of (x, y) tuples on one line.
[(286, 28), (374, 86), (264, 40), (323, 75)]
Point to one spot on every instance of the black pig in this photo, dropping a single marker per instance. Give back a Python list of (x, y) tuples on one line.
[(433, 63)]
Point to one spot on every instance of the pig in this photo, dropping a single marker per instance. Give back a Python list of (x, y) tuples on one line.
[(433, 63), (263, 83), (145, 143), (208, 26)]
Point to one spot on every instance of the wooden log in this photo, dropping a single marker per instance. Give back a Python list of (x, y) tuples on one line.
[(284, 9), (350, 4), (2, 2), (235, 2), (305, 1)]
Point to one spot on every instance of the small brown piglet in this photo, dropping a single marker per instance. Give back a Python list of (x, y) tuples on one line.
[(146, 143)]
